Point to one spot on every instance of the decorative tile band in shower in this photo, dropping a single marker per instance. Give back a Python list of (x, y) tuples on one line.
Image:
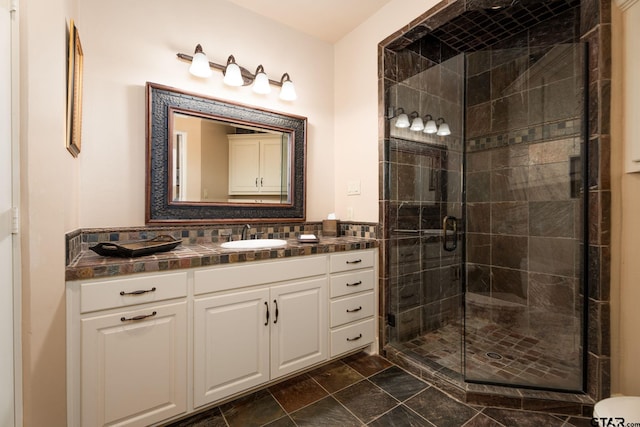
[(561, 129)]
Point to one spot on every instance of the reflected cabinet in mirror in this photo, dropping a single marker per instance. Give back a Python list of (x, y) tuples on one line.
[(210, 160)]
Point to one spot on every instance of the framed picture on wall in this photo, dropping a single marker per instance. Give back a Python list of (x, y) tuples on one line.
[(74, 91)]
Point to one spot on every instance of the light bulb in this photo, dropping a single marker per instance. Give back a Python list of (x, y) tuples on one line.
[(232, 73), (200, 64), (261, 82)]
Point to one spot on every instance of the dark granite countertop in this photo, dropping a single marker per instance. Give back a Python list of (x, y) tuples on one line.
[(89, 265)]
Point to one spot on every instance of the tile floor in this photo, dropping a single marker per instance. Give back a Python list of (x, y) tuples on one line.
[(364, 390), (501, 355)]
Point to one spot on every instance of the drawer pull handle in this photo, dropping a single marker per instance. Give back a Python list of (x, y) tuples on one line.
[(141, 317), (359, 282), (140, 292), (355, 339), (355, 261), (267, 321), (354, 310)]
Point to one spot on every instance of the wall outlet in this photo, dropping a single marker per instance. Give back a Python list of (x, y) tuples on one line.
[(349, 213), (353, 188)]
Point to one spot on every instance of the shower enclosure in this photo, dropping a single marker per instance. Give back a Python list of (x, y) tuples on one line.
[(486, 225)]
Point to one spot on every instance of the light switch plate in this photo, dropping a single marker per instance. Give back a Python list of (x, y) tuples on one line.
[(353, 188)]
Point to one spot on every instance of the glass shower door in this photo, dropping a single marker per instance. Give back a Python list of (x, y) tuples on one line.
[(524, 210), (425, 203)]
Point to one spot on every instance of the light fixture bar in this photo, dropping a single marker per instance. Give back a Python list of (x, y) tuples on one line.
[(247, 75), (416, 123)]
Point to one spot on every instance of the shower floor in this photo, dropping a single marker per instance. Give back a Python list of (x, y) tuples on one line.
[(495, 354)]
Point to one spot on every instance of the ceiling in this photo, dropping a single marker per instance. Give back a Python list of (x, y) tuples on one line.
[(328, 20)]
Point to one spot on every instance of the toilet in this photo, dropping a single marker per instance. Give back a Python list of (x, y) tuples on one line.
[(612, 411)]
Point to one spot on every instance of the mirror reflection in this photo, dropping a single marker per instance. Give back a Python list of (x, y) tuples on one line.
[(214, 161)]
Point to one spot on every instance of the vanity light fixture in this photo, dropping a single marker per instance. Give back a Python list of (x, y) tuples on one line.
[(200, 64), (288, 91), (430, 125), (403, 119), (443, 128), (235, 75), (232, 73), (416, 123), (261, 82)]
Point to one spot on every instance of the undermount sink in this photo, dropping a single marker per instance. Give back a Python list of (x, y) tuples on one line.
[(254, 244)]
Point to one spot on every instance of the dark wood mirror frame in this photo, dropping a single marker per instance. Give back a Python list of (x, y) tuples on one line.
[(160, 101)]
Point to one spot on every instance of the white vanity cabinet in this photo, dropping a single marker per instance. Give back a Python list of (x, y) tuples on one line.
[(148, 348), (247, 337), (255, 164), (127, 350)]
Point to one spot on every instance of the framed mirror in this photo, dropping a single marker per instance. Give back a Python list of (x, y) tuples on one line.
[(212, 161)]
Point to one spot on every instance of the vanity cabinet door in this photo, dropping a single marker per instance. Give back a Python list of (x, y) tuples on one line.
[(244, 166), (134, 366), (255, 164), (231, 344), (271, 166), (299, 327)]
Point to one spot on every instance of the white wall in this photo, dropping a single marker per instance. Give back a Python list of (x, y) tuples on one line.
[(129, 43), (49, 206), (356, 107), (6, 238), (625, 269)]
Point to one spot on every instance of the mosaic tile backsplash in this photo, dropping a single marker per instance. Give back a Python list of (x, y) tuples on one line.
[(78, 241)]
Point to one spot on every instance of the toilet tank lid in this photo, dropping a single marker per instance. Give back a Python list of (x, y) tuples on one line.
[(627, 407)]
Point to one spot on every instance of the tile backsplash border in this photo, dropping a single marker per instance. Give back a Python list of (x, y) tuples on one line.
[(80, 240)]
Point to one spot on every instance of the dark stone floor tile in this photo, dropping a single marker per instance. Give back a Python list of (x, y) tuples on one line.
[(254, 410), (211, 418), (282, 422), (335, 376), (514, 417), (440, 409), (367, 364), (578, 422), (398, 383), (400, 416), (482, 420), (297, 392), (366, 400), (325, 412)]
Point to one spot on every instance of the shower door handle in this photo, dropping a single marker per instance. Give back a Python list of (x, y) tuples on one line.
[(449, 222)]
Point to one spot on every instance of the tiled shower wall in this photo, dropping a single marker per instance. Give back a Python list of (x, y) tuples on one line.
[(524, 140), (592, 24)]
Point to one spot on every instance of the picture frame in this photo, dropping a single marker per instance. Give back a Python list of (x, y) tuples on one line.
[(75, 62)]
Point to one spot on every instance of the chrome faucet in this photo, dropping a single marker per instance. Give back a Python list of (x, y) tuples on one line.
[(244, 231)]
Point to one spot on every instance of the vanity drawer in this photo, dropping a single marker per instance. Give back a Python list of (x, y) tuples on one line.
[(352, 337), (350, 309), (107, 294), (258, 273), (349, 283), (351, 260)]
